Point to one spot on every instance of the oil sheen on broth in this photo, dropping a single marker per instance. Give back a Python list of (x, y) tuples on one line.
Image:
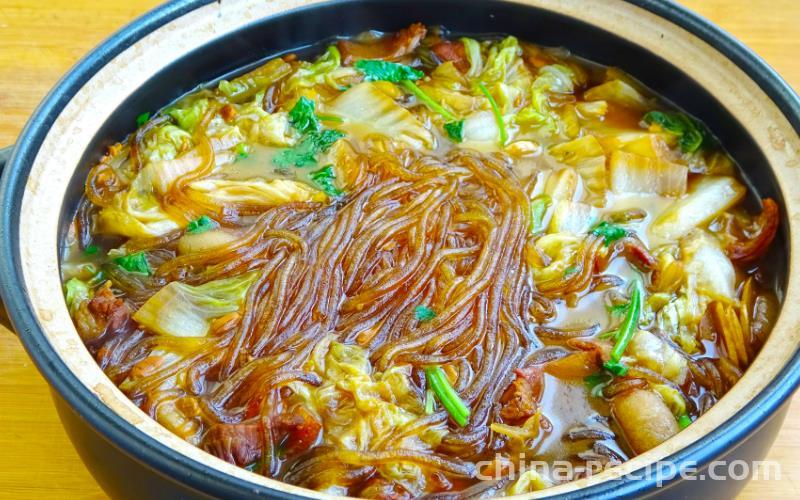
[(374, 269)]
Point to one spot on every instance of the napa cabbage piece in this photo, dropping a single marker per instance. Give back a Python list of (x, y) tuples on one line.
[(376, 113), (136, 216), (472, 49), (182, 310), (502, 61), (653, 353), (587, 156), (619, 92), (704, 259), (159, 176), (75, 292), (367, 410), (678, 319), (447, 86), (254, 191), (551, 79), (165, 142), (652, 145), (246, 86), (137, 211), (633, 173), (505, 75), (572, 217), (560, 249), (326, 69), (528, 482), (592, 109), (708, 197), (562, 184), (672, 398), (205, 241), (481, 127), (270, 129), (188, 113)]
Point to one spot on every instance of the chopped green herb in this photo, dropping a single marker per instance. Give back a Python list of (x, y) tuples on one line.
[(424, 313), (684, 421), (570, 271), (618, 309), (134, 263), (241, 151), (330, 118), (498, 116), (302, 116), (438, 383), (324, 178), (455, 130), (200, 225), (429, 402), (692, 134), (90, 250), (539, 206), (616, 368), (375, 70), (609, 232), (305, 153), (142, 119), (628, 326)]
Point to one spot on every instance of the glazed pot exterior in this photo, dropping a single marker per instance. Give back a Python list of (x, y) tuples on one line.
[(125, 458)]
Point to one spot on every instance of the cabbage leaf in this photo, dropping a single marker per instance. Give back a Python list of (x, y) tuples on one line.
[(375, 112), (182, 310), (254, 191), (246, 86), (551, 79)]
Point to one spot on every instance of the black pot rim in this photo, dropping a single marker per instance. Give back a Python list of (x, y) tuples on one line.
[(210, 481)]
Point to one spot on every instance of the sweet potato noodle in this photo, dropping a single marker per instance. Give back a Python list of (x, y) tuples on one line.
[(409, 266)]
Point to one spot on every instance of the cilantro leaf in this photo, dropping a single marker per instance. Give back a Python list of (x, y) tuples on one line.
[(90, 250), (324, 178), (692, 134), (200, 225), (609, 232), (570, 271), (375, 70), (134, 263), (302, 116), (424, 313), (498, 115), (142, 119), (305, 153), (455, 130)]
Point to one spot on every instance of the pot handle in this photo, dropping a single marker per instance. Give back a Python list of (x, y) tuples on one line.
[(5, 155)]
